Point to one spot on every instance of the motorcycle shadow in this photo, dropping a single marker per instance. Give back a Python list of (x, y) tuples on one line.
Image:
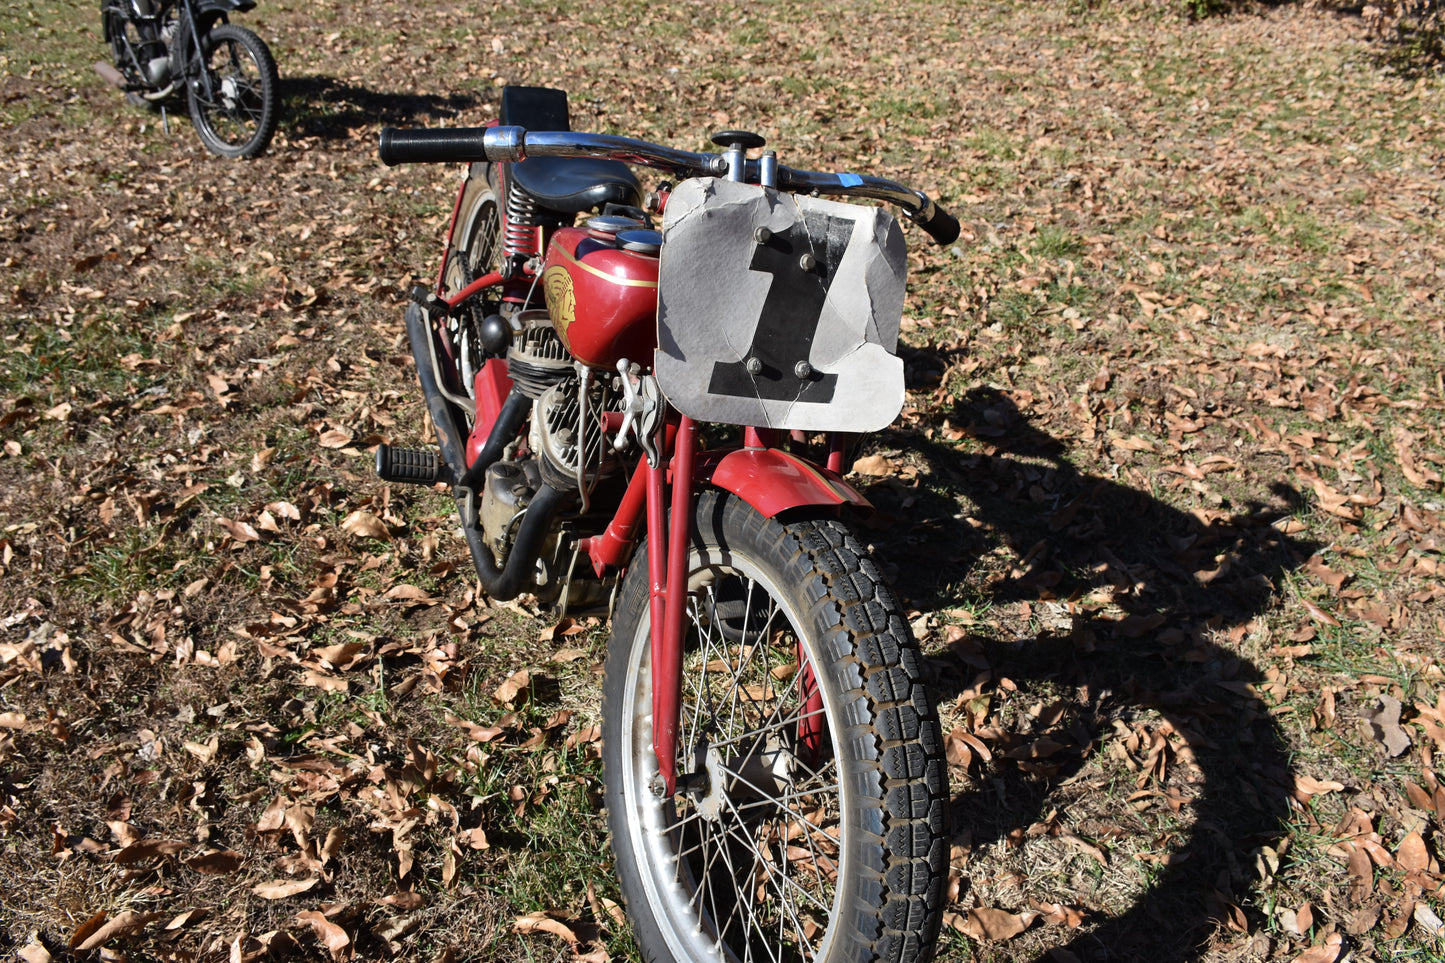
[(1131, 669), (324, 107)]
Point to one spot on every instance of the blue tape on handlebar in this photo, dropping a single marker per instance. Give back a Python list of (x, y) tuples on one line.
[(850, 180)]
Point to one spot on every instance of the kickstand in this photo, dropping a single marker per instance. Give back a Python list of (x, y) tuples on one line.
[(165, 121)]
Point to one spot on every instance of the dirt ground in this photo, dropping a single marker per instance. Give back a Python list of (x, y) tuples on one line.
[(1165, 501)]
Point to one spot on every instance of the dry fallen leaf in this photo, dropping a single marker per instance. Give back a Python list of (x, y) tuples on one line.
[(1385, 724), (128, 923), (1319, 614), (985, 923), (333, 937), (280, 889), (410, 594), (219, 863), (516, 686), (185, 919), (1426, 918), (405, 900), (1362, 874), (34, 953), (1326, 952), (84, 930), (540, 922), (1413, 856), (1310, 786), (240, 531), (149, 849), (365, 525)]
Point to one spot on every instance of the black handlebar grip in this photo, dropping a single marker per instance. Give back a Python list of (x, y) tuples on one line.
[(942, 226), (432, 146)]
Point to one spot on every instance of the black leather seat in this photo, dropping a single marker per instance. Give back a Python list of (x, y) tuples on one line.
[(567, 185), (571, 185)]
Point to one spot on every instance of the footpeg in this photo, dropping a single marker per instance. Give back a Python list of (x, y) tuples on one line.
[(409, 465)]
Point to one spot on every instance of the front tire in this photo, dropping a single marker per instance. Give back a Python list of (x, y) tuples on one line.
[(809, 822), (238, 116)]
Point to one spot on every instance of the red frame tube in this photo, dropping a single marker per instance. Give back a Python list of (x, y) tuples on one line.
[(477, 286), (614, 545), (810, 727), (837, 442)]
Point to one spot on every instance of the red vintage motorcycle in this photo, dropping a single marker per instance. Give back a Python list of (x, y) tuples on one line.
[(628, 416)]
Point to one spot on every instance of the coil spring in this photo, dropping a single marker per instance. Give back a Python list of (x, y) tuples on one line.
[(521, 235)]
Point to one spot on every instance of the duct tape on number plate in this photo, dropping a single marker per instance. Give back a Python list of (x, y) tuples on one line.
[(778, 310)]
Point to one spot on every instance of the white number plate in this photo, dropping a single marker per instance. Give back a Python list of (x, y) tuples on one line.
[(779, 311)]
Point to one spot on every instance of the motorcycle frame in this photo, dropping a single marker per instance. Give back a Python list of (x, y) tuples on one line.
[(195, 14), (759, 470)]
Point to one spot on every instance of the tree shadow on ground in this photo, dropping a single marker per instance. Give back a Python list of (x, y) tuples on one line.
[(1179, 581), (331, 109)]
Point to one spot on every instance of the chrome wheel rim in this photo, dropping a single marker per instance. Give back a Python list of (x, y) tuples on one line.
[(745, 862)]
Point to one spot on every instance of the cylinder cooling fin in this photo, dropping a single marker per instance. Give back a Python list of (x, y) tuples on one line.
[(537, 359), (567, 427)]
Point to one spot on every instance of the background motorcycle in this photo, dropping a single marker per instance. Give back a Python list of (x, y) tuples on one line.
[(774, 769), (162, 47)]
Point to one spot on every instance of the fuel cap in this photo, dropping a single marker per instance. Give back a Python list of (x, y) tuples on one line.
[(642, 241), (609, 224)]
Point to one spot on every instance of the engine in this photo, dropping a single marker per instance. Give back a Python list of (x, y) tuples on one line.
[(565, 448)]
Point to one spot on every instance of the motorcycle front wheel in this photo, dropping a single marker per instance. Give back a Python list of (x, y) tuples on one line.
[(236, 104), (809, 822)]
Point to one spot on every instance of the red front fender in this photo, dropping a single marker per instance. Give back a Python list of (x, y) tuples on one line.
[(773, 481)]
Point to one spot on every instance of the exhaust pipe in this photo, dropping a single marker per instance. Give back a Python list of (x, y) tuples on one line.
[(506, 583)]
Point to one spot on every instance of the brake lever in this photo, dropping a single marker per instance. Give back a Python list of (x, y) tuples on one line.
[(642, 408)]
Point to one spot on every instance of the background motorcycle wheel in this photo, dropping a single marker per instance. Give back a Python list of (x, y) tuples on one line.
[(239, 117), (829, 847)]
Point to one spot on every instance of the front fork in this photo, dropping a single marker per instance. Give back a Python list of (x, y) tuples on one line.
[(669, 600), (667, 577)]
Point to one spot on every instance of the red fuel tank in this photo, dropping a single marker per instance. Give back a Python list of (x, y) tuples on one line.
[(601, 286)]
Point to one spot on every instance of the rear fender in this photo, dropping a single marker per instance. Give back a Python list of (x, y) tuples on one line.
[(774, 481)]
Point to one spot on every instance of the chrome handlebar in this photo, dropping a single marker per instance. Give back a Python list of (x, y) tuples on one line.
[(512, 144)]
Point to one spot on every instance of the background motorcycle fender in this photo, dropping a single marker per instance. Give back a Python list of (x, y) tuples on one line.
[(773, 481), (224, 6)]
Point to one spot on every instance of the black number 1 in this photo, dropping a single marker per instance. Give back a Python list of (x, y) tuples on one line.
[(790, 315)]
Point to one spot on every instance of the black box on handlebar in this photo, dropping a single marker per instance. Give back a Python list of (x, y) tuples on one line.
[(535, 108)]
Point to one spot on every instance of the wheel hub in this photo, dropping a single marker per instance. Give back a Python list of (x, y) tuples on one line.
[(764, 769)]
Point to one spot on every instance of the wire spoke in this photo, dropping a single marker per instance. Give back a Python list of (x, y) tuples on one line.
[(759, 867), (747, 841)]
